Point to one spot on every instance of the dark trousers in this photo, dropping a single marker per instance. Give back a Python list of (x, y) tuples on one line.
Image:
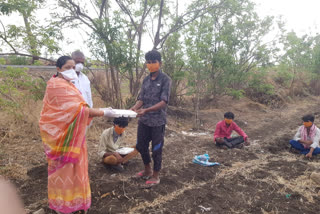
[(231, 142), (295, 144), (156, 135)]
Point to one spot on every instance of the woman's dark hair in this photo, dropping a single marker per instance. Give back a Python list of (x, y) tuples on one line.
[(229, 115), (62, 61), (308, 117), (121, 121), (153, 55)]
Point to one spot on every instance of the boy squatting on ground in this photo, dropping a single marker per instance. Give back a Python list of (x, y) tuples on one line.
[(222, 133), (306, 140), (111, 140)]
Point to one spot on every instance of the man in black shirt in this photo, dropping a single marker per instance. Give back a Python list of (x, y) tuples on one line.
[(151, 107)]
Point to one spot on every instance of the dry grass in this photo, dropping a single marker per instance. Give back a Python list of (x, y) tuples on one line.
[(238, 167), (276, 211), (17, 135), (14, 171), (302, 185), (169, 197)]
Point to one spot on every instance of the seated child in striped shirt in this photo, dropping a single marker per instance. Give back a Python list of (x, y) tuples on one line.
[(306, 140)]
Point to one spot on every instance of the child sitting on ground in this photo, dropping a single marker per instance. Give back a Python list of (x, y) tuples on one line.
[(110, 143), (306, 140), (222, 134)]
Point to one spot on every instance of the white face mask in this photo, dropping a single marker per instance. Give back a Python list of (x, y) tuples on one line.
[(69, 74), (79, 67)]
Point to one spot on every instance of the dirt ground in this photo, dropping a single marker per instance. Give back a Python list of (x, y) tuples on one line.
[(265, 177)]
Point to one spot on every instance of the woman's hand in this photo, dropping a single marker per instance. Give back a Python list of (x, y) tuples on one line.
[(108, 112)]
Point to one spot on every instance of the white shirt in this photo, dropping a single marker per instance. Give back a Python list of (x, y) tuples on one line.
[(316, 138), (107, 143), (83, 84)]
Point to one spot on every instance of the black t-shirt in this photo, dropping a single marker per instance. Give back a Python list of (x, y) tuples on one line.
[(151, 93)]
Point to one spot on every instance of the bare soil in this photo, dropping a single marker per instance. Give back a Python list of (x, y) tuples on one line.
[(265, 177)]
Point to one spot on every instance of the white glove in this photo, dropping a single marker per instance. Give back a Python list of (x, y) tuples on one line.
[(108, 112)]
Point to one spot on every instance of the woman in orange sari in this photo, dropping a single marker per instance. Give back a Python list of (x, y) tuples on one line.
[(63, 121)]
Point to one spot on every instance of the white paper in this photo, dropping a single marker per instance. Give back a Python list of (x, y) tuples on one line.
[(124, 113), (125, 150)]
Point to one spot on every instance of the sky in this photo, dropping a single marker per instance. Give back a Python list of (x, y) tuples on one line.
[(301, 16)]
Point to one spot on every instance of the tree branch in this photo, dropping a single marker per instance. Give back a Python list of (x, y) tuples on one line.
[(177, 26), (4, 29), (127, 11), (6, 41), (8, 97), (79, 13), (28, 55), (94, 7), (144, 15), (4, 38), (82, 16), (157, 36), (102, 7)]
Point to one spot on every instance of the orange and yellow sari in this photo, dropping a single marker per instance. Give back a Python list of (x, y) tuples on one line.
[(63, 121)]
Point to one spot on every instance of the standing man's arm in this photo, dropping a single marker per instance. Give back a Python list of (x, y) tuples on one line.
[(139, 102), (156, 107), (137, 106)]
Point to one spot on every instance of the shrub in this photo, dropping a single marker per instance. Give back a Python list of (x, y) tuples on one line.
[(18, 60), (2, 61), (236, 94), (261, 91), (257, 85), (16, 87), (283, 76), (37, 62), (130, 101)]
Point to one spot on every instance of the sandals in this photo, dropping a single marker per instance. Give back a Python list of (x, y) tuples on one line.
[(150, 184), (142, 175)]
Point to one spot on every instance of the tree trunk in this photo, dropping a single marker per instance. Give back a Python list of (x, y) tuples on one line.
[(157, 40), (31, 38), (108, 91), (197, 107), (115, 87), (291, 89)]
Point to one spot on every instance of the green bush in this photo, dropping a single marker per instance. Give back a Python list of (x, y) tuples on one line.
[(2, 61), (16, 87), (18, 60), (37, 62), (130, 101), (236, 94), (257, 84), (283, 76)]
